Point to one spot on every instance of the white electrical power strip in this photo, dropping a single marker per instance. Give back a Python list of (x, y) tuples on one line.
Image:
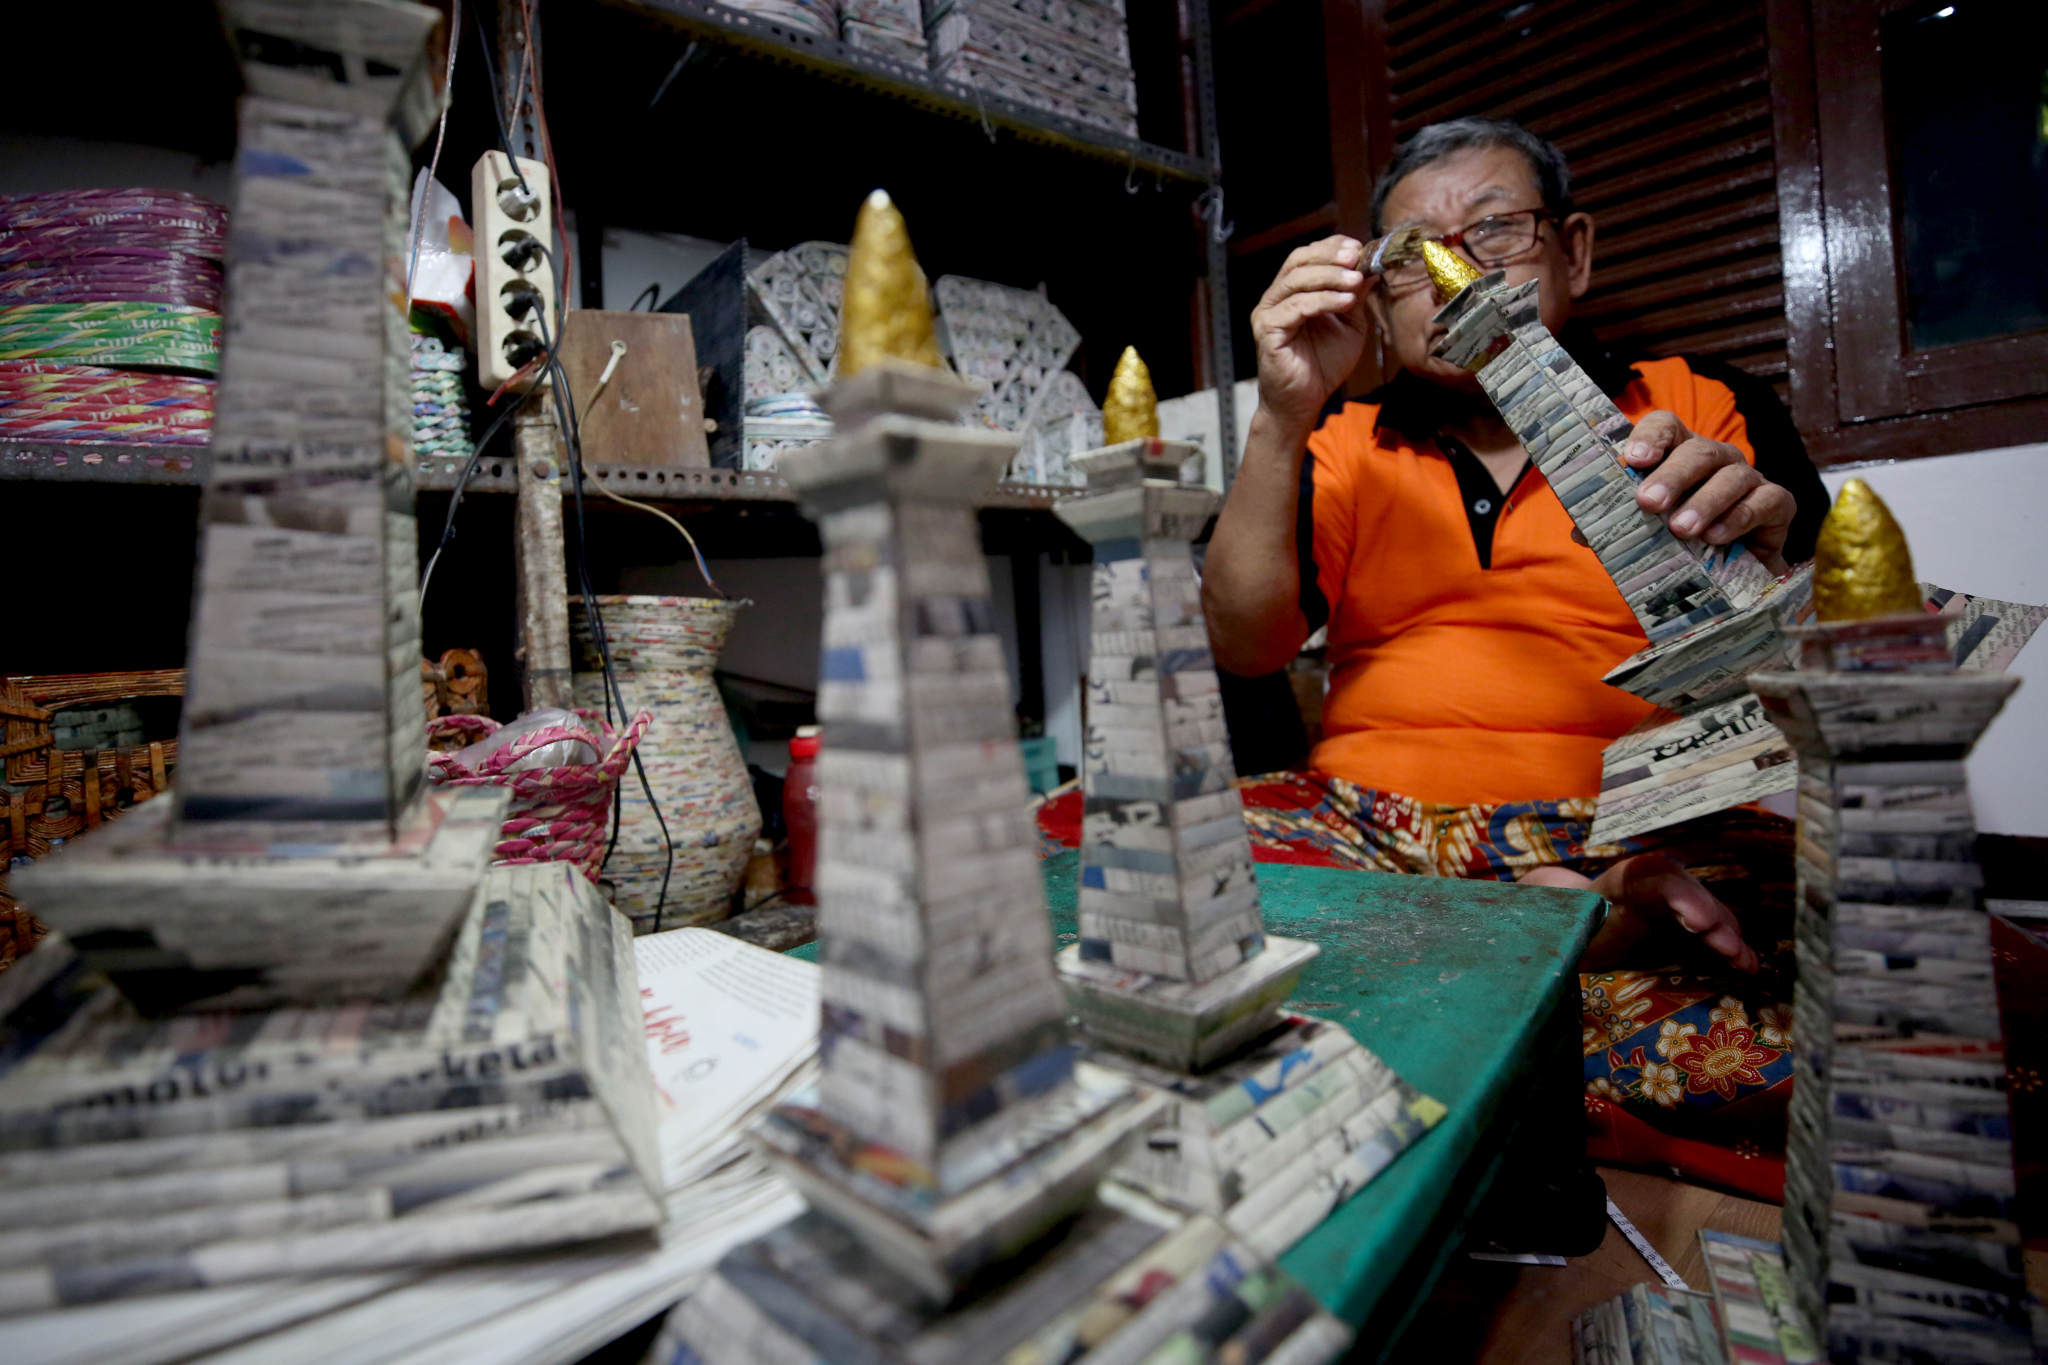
[(513, 205)]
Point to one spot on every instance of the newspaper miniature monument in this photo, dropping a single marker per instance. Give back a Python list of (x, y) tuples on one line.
[(1275, 1119), (300, 774), (1899, 1219), (1713, 613), (954, 1128), (447, 1059)]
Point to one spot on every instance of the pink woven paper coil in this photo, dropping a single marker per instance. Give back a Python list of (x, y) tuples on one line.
[(558, 815)]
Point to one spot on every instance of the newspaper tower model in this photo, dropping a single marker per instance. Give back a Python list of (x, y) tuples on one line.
[(1712, 613), (1899, 1218), (954, 1128), (502, 1103), (299, 858), (951, 1123), (1174, 966)]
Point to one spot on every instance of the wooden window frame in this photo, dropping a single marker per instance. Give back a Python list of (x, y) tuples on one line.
[(1859, 390)]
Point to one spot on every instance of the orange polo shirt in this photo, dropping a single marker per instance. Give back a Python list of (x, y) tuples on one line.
[(1459, 684)]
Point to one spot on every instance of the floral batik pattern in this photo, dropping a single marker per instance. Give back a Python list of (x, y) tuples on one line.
[(1705, 1051)]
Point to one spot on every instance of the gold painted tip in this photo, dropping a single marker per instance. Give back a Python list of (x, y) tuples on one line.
[(1448, 271), (886, 313), (1131, 410), (1861, 566)]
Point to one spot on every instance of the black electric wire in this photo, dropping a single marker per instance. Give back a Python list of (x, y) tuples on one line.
[(565, 416)]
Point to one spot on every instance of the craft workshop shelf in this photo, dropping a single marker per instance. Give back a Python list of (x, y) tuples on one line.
[(495, 474), (100, 462), (708, 21)]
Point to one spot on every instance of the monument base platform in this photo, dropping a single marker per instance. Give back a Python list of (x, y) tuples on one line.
[(1277, 1138), (1711, 659), (253, 916), (1027, 1180), (1183, 1025), (1109, 1286)]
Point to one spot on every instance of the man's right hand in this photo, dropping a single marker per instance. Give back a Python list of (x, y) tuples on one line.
[(1310, 328)]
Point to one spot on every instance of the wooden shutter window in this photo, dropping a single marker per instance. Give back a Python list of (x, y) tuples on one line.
[(1665, 115)]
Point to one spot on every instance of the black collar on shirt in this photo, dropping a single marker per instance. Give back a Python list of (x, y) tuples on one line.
[(1417, 409)]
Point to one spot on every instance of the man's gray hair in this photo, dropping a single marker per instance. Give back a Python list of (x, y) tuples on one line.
[(1439, 140)]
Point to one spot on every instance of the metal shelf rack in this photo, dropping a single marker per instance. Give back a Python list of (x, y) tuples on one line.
[(833, 60)]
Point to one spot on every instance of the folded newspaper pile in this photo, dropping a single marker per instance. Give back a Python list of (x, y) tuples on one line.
[(1759, 1323), (1650, 1324), (1115, 1287), (1071, 58), (728, 1029), (504, 1106), (1722, 750), (1276, 1139)]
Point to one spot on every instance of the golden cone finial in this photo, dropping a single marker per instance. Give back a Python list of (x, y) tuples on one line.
[(1861, 566), (886, 313), (1448, 271), (1131, 411)]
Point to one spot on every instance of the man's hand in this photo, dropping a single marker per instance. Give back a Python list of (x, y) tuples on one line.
[(1310, 328), (1710, 492), (1651, 893)]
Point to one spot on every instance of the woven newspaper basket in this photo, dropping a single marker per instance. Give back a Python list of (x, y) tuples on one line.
[(558, 814), (52, 794)]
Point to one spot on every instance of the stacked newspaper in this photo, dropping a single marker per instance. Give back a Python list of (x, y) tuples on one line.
[(504, 1107), (728, 1028), (1116, 1287), (1650, 1324), (1753, 1302), (1071, 58), (1276, 1138), (1721, 749)]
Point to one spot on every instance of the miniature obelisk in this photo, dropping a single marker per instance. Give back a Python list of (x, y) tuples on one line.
[(1174, 966), (1166, 865), (1712, 613), (951, 1125), (1899, 1230), (302, 753)]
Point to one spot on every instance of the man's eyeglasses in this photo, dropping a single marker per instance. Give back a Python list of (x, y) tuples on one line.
[(1495, 240)]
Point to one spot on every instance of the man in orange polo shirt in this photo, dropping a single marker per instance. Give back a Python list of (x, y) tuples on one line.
[(1468, 632)]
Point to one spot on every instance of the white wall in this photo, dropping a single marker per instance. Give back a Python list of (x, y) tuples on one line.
[(634, 260), (1977, 524)]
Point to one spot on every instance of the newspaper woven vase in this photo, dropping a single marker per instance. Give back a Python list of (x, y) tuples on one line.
[(663, 650)]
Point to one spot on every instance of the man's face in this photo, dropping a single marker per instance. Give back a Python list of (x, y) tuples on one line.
[(1450, 194)]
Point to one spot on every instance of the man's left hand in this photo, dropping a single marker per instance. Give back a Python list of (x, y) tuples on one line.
[(1708, 489)]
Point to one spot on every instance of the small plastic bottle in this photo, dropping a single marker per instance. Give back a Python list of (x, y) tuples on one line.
[(800, 816)]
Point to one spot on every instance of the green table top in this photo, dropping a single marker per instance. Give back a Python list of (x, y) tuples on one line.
[(1448, 982)]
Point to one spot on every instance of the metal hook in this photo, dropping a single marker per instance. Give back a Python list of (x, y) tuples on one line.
[(1130, 174), (981, 112), (1210, 203)]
